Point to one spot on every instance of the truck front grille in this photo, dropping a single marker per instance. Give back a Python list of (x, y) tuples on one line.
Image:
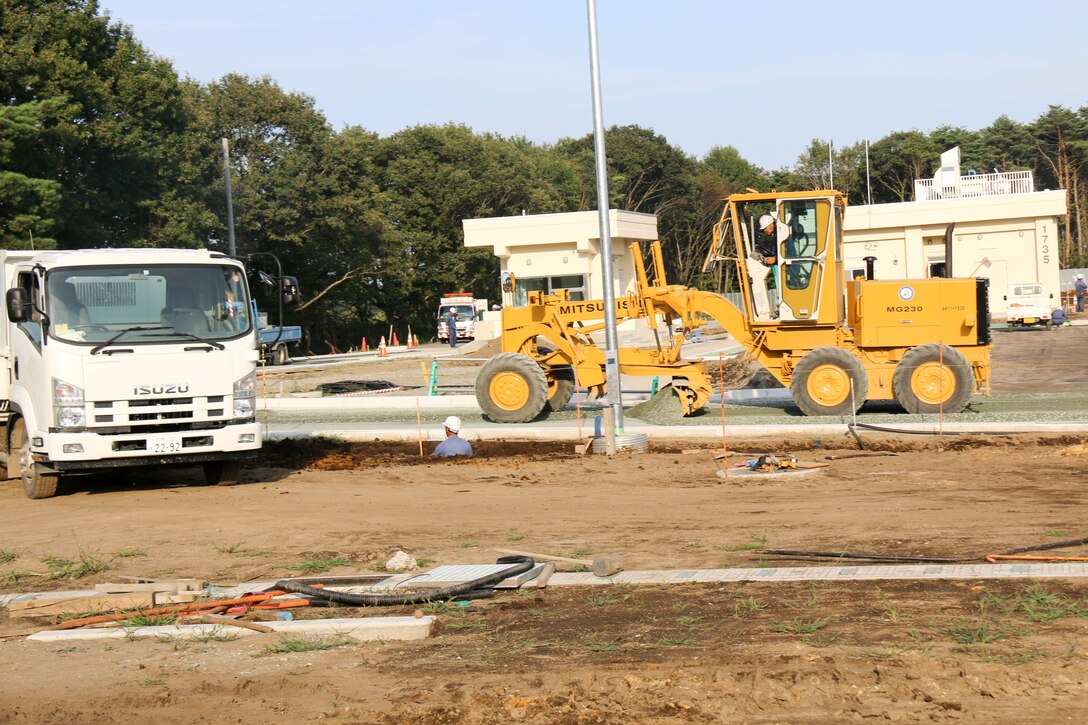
[(147, 414)]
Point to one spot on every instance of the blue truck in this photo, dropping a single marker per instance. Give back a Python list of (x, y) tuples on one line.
[(273, 339)]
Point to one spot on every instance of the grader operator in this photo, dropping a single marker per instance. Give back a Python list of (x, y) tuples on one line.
[(834, 343)]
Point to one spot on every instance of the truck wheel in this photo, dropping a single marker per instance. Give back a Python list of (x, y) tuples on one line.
[(829, 381), (922, 384), (36, 484), (222, 473), (511, 388), (279, 354)]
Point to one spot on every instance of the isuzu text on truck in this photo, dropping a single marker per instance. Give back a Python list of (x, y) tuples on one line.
[(126, 357)]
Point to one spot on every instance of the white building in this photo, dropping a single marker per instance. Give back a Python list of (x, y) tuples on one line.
[(561, 251)]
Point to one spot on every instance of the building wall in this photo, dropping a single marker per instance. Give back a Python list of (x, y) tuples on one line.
[(1016, 234)]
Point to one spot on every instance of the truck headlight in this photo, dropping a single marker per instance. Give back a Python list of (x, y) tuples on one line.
[(245, 394), (68, 410)]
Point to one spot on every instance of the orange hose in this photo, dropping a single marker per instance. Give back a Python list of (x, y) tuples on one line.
[(172, 609)]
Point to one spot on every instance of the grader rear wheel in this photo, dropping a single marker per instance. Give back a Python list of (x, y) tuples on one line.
[(511, 388), (931, 380), (829, 381)]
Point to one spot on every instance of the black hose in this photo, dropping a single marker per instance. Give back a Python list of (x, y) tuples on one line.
[(477, 587), (876, 557), (923, 559), (882, 429)]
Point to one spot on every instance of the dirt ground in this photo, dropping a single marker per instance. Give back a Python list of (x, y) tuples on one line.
[(977, 651)]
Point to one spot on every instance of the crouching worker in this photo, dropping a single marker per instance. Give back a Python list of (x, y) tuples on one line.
[(454, 445)]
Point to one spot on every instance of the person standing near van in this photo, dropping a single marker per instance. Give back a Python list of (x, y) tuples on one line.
[(1082, 290), (451, 326)]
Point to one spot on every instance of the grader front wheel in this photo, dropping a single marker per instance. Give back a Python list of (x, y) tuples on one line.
[(511, 388)]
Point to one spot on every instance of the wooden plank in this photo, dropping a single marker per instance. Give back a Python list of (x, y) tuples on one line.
[(219, 619), (547, 557), (161, 585), (76, 605)]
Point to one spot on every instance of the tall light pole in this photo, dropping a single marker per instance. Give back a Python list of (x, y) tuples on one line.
[(611, 361), (230, 201)]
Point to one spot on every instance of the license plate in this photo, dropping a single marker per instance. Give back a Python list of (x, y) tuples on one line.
[(1030, 320), (164, 444)]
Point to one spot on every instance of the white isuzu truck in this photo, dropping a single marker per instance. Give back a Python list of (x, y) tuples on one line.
[(126, 357)]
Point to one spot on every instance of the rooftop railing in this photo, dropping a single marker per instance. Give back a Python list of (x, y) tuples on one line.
[(974, 185)]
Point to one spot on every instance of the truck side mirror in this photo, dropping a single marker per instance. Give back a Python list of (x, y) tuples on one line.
[(290, 292), (18, 305)]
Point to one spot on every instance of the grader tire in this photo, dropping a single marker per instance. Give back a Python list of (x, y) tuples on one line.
[(829, 381), (560, 389), (511, 388), (36, 484), (929, 380), (560, 382)]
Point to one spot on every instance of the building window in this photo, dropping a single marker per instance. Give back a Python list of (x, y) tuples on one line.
[(575, 284)]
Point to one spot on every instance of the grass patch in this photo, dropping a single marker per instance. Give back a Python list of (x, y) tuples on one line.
[(77, 569), (468, 624), (676, 641), (235, 548), (130, 553), (1033, 602), (749, 604), (423, 563), (608, 598), (801, 626), (149, 620), (515, 537), (979, 631), (7, 556), (755, 541), (317, 564), (296, 643), (602, 645), (215, 634)]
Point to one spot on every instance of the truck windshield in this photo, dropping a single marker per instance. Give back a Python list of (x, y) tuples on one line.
[(463, 312), (167, 303)]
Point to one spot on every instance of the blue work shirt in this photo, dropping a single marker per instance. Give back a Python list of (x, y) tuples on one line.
[(453, 446)]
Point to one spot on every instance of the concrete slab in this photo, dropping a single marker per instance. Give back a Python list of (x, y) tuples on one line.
[(831, 573), (361, 630), (452, 574)]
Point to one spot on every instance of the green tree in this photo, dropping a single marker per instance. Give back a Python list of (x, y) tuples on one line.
[(107, 112), (28, 205)]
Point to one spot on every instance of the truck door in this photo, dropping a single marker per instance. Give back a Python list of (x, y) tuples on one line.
[(803, 256), (26, 338)]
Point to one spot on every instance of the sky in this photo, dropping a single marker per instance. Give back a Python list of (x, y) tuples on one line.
[(766, 78)]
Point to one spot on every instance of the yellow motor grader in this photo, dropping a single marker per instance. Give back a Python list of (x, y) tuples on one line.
[(834, 343)]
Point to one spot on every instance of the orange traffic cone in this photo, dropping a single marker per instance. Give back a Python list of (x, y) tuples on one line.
[(396, 342), (363, 347), (409, 338), (382, 352), (415, 340)]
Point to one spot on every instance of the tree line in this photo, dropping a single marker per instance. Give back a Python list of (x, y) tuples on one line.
[(102, 144)]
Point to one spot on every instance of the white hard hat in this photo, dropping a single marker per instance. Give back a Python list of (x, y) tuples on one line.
[(1080, 276), (765, 221), (453, 423)]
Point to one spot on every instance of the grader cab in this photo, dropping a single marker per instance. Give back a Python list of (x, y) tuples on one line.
[(835, 344)]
